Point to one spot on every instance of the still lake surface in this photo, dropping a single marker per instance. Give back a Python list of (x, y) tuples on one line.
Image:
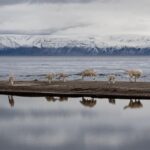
[(34, 123)]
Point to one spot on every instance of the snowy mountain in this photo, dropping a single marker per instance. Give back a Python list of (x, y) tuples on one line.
[(63, 45)]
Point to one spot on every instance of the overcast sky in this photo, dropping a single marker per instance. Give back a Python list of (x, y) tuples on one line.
[(75, 17)]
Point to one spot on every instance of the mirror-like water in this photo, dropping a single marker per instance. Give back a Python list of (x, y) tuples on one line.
[(54, 123)]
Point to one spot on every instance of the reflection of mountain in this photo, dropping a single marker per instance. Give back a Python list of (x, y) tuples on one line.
[(134, 104), (88, 102), (51, 45)]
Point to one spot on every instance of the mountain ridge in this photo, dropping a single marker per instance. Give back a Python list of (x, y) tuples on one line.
[(74, 45)]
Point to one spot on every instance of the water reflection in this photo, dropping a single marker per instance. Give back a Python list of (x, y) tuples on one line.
[(50, 98), (63, 98), (11, 100), (87, 102), (112, 100), (134, 104), (53, 99), (34, 124)]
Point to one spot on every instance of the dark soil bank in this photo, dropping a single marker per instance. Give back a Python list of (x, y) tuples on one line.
[(78, 89)]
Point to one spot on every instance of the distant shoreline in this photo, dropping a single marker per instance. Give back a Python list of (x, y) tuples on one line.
[(75, 51), (86, 56)]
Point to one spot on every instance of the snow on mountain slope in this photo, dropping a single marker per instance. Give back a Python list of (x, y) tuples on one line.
[(90, 44)]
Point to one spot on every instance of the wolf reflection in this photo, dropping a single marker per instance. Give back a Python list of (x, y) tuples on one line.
[(133, 103), (91, 102), (87, 102), (112, 100), (11, 100), (136, 103), (53, 99)]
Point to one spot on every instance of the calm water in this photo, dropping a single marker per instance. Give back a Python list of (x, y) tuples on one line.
[(38, 123), (35, 123), (30, 68)]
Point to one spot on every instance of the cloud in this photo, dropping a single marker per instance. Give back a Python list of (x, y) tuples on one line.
[(75, 17), (12, 2), (50, 31)]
